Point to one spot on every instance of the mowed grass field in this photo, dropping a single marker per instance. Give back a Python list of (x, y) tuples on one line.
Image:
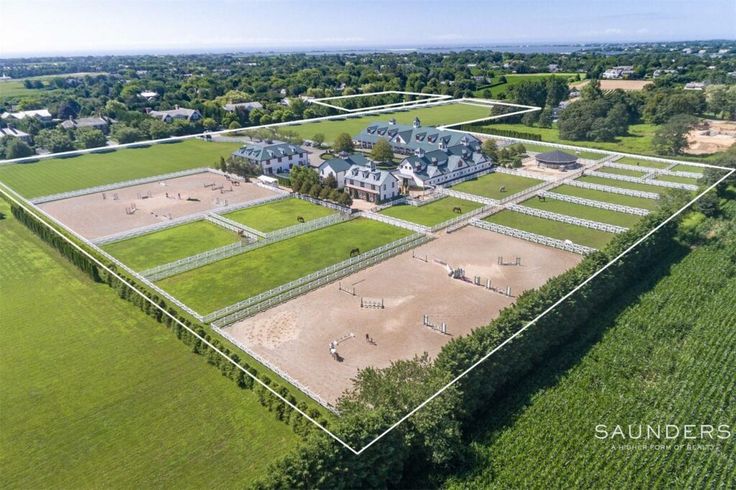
[(596, 195), (433, 213), (553, 229), (161, 247), (635, 186), (279, 214), (677, 178), (95, 394), (67, 174), (490, 185), (228, 281), (622, 171), (588, 155), (15, 87), (583, 212), (634, 162), (497, 89), (688, 168), (429, 116)]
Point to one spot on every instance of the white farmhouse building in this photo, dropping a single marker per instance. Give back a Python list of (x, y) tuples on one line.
[(369, 184), (338, 167), (274, 157)]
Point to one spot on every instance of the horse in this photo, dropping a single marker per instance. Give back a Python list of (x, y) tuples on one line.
[(457, 210), (354, 252), (300, 219)]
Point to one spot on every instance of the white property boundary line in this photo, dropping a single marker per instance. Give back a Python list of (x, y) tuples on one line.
[(427, 98), (19, 201)]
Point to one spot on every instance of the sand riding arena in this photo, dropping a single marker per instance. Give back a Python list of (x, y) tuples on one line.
[(101, 214), (396, 309)]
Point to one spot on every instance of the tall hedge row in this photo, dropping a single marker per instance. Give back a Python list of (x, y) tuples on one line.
[(281, 410), (509, 133)]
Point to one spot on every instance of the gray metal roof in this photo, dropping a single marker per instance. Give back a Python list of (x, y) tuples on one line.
[(268, 150), (342, 164), (556, 158)]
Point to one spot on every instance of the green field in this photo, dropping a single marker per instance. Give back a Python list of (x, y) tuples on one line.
[(433, 213), (622, 171), (161, 247), (95, 394), (688, 168), (490, 185), (636, 186), (641, 163), (67, 174), (14, 88), (280, 214), (496, 88), (583, 212), (636, 202), (588, 155), (662, 355), (429, 116), (228, 281), (677, 178), (553, 229)]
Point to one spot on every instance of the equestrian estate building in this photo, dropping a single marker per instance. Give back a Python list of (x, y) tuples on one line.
[(338, 167), (365, 182), (274, 157)]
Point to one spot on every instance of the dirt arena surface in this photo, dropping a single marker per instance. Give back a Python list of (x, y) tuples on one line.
[(296, 335), (93, 217), (711, 136), (624, 85)]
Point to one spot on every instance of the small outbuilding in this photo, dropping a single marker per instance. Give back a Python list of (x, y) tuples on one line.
[(557, 159)]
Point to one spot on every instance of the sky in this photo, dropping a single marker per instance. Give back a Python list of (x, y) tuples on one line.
[(69, 27)]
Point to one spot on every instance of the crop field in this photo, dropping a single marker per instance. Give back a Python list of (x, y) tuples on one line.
[(161, 247), (96, 394), (637, 202), (622, 171), (656, 357), (280, 214), (553, 229), (490, 185), (429, 116), (228, 281), (641, 163), (583, 212), (57, 175), (433, 213), (497, 88), (636, 186)]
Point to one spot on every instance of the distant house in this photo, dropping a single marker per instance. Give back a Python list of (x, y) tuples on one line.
[(618, 72), (274, 157), (180, 113), (553, 67), (694, 86), (11, 132), (148, 95), (242, 106), (101, 123), (338, 167), (42, 115), (367, 183)]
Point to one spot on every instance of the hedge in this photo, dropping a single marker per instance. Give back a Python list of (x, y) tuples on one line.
[(509, 133)]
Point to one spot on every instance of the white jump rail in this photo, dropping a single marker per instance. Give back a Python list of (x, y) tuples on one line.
[(243, 309), (117, 185), (563, 218), (595, 204), (612, 190), (637, 180), (533, 237)]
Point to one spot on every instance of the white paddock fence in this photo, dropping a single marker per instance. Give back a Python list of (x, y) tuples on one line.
[(612, 190), (198, 260), (298, 385), (652, 170), (320, 202), (526, 192), (280, 294), (394, 221), (533, 237), (638, 180), (595, 204), (466, 196), (563, 218), (454, 223), (234, 226), (117, 185), (523, 173), (145, 230)]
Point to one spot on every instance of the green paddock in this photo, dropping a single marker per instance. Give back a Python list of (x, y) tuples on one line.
[(433, 213), (275, 215)]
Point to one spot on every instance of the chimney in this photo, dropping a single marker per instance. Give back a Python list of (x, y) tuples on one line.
[(176, 107), (392, 121), (372, 166), (417, 122)]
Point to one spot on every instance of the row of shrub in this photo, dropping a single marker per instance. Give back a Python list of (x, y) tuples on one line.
[(435, 435), (509, 133), (281, 410)]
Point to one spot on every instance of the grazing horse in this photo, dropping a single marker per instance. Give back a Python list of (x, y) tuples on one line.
[(457, 210), (300, 219), (502, 189), (354, 252)]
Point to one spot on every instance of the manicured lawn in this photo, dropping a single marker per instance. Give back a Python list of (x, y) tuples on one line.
[(280, 214), (433, 213), (161, 247), (641, 163), (677, 178), (688, 168), (95, 394), (583, 212), (490, 185), (553, 229), (596, 195), (67, 174), (228, 281), (429, 116), (622, 171), (15, 87), (621, 183)]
